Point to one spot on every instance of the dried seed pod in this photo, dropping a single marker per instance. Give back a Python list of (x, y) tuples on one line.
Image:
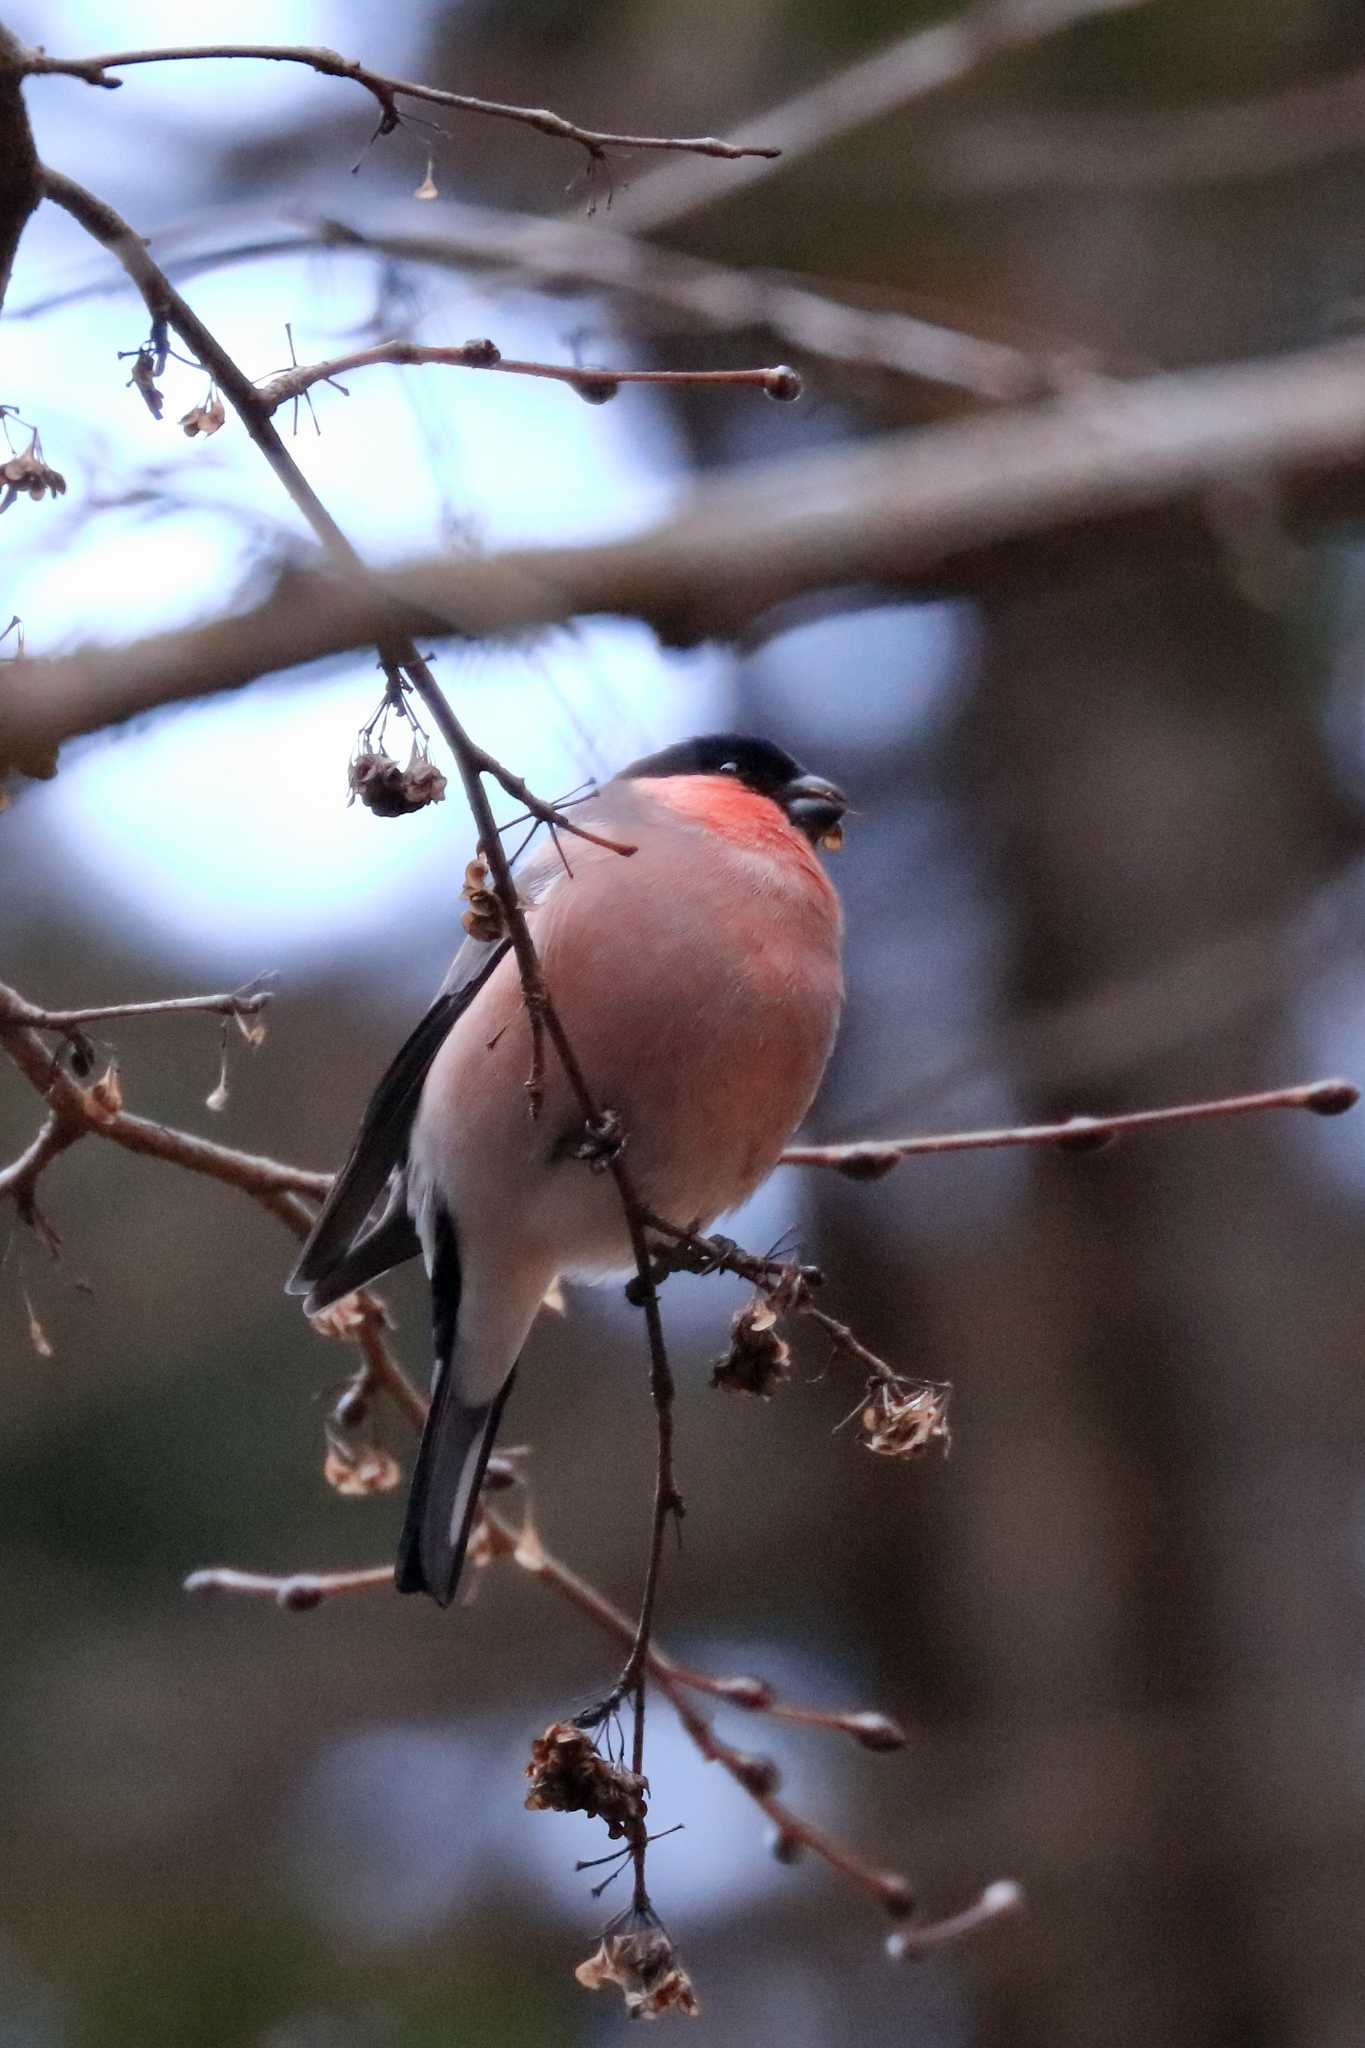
[(143, 380), (29, 476), (484, 918), (393, 792), (568, 1776), (204, 419), (905, 1418), (636, 1953), (758, 1360), (360, 1472)]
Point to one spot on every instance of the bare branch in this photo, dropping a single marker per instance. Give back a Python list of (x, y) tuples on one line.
[(869, 1159), (299, 1591), (239, 1003), (595, 384), (386, 92), (563, 255), (951, 508)]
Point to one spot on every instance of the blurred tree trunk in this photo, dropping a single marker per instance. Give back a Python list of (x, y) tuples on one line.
[(1145, 1539)]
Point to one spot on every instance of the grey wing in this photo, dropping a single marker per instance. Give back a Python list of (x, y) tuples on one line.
[(348, 1245)]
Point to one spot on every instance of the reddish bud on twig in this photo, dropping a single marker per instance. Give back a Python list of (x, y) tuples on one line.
[(873, 1731), (782, 383), (754, 1695), (1331, 1098), (758, 1775), (997, 1902)]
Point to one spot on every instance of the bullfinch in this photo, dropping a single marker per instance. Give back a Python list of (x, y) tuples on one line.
[(700, 985)]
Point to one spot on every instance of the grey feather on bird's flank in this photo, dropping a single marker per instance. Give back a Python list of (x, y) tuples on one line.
[(341, 1251)]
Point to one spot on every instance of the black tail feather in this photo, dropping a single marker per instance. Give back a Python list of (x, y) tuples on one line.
[(444, 1497)]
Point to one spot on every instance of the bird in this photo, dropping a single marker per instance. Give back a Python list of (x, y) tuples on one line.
[(699, 982)]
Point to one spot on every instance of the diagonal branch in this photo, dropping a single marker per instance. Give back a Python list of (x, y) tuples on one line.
[(912, 68), (603, 1136)]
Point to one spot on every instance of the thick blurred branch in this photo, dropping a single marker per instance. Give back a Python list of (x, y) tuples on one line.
[(19, 191), (910, 69), (960, 507), (1305, 124)]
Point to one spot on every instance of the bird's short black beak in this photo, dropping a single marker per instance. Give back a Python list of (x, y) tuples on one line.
[(815, 807)]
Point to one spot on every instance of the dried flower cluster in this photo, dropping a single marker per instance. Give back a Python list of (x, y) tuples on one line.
[(758, 1361), (393, 792), (204, 419), (360, 1469), (568, 1776), (29, 476), (637, 1954), (905, 1418), (484, 918)]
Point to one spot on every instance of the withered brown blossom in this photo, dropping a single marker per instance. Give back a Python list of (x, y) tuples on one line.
[(204, 419), (568, 1776), (905, 1418), (759, 1359), (364, 1470), (29, 476), (144, 381), (637, 1954), (484, 918), (393, 792)]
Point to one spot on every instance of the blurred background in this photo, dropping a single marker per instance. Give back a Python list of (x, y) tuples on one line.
[(1108, 854)]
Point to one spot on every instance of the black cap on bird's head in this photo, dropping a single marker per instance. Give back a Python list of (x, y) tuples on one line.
[(812, 804)]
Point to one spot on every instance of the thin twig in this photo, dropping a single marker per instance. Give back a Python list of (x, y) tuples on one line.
[(243, 1003), (869, 1159), (776, 381), (386, 92), (898, 337), (299, 1591), (956, 508)]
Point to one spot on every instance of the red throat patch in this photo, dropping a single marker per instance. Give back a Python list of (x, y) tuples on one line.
[(725, 806)]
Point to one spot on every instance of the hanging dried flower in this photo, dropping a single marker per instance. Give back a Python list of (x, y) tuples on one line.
[(360, 1472), (393, 792), (205, 418), (484, 918), (568, 1776), (759, 1359), (29, 476), (637, 1954), (143, 380), (905, 1418)]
